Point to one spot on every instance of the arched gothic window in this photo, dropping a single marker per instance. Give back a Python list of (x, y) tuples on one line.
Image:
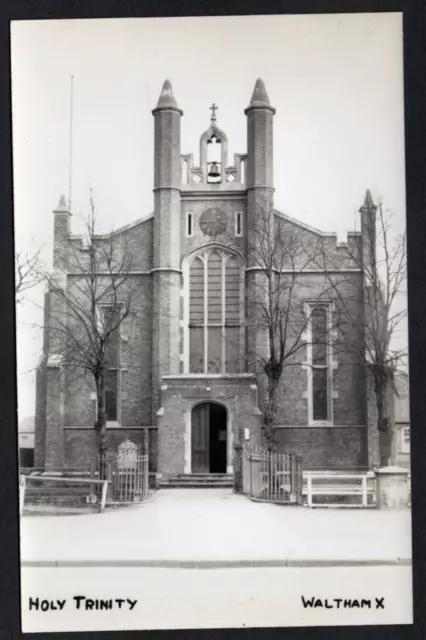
[(320, 373), (214, 313), (319, 361)]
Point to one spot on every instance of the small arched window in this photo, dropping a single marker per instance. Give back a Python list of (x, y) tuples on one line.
[(242, 171), (184, 171)]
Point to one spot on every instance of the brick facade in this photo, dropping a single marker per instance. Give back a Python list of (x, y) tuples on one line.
[(337, 447), (80, 444), (155, 389), (181, 394)]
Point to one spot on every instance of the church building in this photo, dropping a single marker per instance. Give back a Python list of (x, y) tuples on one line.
[(182, 370)]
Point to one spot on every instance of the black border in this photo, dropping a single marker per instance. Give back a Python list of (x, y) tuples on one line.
[(415, 135)]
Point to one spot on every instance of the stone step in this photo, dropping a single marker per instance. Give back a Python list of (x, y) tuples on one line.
[(195, 485), (198, 480), (201, 479), (202, 476), (219, 483)]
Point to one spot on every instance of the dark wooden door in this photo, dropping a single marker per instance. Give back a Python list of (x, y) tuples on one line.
[(200, 439)]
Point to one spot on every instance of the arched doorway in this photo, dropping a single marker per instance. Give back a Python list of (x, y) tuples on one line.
[(208, 438)]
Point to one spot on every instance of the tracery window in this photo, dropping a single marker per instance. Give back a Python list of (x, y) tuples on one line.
[(320, 376), (320, 363), (214, 313), (109, 317)]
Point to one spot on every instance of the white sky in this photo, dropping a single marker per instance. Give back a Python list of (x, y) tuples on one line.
[(335, 80)]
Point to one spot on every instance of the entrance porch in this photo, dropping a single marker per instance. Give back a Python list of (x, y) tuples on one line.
[(200, 420)]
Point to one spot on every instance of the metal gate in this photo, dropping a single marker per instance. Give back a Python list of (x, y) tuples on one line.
[(127, 473), (267, 475), (238, 468)]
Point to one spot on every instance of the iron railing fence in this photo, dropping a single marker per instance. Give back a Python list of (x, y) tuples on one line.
[(126, 470), (268, 475)]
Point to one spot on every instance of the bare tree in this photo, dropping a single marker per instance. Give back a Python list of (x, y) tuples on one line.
[(278, 320), (92, 294), (381, 257), (27, 273)]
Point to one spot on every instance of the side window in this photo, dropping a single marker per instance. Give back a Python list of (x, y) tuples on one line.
[(405, 440), (189, 229), (239, 224), (110, 327), (320, 376), (319, 362)]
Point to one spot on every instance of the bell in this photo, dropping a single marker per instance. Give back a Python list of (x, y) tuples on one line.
[(214, 170)]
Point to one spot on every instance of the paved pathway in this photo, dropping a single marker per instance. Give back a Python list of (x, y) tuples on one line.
[(191, 525)]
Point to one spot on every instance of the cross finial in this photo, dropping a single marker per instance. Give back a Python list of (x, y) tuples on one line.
[(213, 108)]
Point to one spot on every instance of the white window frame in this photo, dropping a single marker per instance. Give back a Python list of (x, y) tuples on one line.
[(309, 307), (243, 169), (204, 253), (189, 216), (239, 216), (184, 171), (405, 446), (118, 368)]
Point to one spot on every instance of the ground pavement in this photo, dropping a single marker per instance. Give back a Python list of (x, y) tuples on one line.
[(195, 526)]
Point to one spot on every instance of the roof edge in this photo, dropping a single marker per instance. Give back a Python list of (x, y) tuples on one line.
[(116, 232), (318, 232)]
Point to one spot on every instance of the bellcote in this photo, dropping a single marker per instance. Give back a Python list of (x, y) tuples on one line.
[(213, 168), (213, 151)]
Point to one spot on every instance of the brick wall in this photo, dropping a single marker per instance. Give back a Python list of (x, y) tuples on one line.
[(40, 416), (54, 449), (229, 207), (136, 385), (135, 241), (178, 400), (325, 447), (349, 378), (80, 444)]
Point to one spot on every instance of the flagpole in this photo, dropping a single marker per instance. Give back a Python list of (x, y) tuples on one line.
[(71, 141)]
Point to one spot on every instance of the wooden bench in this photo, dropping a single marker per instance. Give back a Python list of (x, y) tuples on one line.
[(24, 479), (336, 484)]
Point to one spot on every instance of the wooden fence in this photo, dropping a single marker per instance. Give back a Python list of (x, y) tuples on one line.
[(267, 475)]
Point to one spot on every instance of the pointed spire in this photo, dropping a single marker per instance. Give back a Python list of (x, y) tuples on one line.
[(368, 199), (167, 99), (368, 202), (259, 93), (62, 206), (260, 99)]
